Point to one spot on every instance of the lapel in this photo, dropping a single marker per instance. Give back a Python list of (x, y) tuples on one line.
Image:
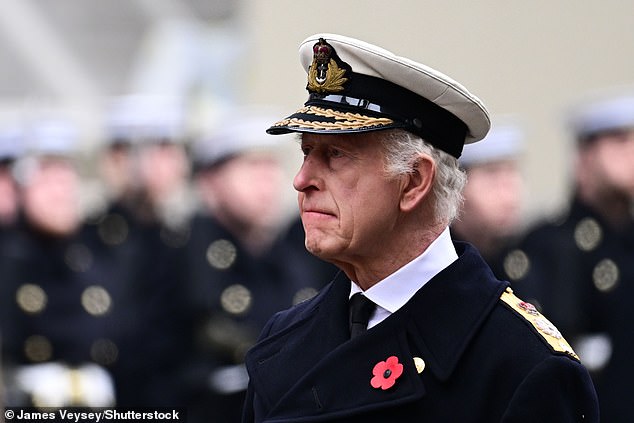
[(449, 310), (330, 375)]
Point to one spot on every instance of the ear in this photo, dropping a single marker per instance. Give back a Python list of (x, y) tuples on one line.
[(418, 184)]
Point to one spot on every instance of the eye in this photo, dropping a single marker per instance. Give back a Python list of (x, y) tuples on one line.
[(335, 153), (306, 150)]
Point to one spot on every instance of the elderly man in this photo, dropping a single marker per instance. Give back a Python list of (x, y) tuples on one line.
[(415, 328)]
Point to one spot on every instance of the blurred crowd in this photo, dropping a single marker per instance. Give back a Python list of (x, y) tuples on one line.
[(150, 293), (577, 267)]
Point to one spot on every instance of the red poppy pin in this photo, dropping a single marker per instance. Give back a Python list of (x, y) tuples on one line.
[(386, 372)]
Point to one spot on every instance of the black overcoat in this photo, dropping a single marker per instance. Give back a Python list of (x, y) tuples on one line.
[(484, 361)]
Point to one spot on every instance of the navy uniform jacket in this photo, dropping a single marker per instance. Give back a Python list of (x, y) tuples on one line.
[(484, 361), (232, 293), (580, 272), (64, 302)]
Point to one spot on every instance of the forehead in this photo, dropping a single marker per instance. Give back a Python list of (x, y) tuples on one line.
[(355, 141), (621, 133), (612, 137), (510, 163)]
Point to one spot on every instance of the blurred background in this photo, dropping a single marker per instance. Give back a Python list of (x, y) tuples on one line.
[(530, 59), (148, 225)]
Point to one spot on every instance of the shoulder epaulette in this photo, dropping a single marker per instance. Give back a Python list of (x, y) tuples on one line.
[(543, 326)]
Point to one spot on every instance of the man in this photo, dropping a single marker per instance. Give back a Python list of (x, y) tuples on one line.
[(144, 228), (11, 142), (579, 267), (445, 340), (491, 214), (62, 299)]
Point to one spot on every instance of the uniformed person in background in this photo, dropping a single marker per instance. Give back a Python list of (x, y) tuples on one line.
[(117, 212), (60, 324), (579, 267), (491, 215), (417, 328), (144, 162), (11, 146), (144, 224), (240, 270)]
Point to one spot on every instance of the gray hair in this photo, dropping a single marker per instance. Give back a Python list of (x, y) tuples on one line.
[(402, 147)]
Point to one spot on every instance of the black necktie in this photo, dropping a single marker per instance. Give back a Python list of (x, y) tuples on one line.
[(361, 309)]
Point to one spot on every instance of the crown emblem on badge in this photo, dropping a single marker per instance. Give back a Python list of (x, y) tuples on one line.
[(324, 74)]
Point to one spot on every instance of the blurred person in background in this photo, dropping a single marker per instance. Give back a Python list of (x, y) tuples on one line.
[(11, 145), (117, 169), (579, 268), (59, 331), (491, 215), (144, 163), (144, 225), (163, 167), (241, 269)]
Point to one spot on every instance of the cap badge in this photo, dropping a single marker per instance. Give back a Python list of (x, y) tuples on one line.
[(325, 75)]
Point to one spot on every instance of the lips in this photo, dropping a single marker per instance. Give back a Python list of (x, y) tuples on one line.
[(316, 212)]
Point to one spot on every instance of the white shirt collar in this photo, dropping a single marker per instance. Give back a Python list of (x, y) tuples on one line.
[(394, 291)]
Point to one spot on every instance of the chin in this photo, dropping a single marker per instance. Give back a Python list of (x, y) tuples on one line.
[(323, 243), (318, 249), (314, 248)]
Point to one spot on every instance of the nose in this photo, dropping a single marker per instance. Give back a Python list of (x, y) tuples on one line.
[(306, 179)]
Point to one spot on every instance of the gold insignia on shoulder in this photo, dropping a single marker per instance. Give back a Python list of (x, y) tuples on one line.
[(324, 74), (544, 327)]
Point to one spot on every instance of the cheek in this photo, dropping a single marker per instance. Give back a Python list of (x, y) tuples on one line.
[(477, 196), (234, 194), (372, 215), (617, 168), (491, 204)]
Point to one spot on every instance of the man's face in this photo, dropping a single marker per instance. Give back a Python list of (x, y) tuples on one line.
[(247, 189), (612, 157), (493, 197), (163, 169), (347, 203), (51, 197)]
